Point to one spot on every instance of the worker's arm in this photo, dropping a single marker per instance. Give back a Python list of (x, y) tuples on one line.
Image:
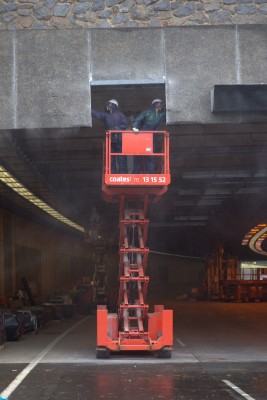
[(139, 119), (101, 116)]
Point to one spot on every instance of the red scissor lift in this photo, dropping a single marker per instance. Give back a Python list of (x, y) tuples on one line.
[(134, 327)]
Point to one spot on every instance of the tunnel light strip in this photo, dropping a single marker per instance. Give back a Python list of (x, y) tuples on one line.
[(15, 185)]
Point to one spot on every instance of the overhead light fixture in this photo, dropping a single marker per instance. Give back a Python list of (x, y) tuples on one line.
[(253, 264), (255, 237), (19, 188)]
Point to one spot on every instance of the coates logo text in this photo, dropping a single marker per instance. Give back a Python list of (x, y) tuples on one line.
[(120, 179)]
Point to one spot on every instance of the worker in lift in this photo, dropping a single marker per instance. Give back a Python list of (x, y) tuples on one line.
[(114, 120), (151, 119)]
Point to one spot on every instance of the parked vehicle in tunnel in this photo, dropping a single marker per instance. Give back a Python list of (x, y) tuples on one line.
[(14, 325)]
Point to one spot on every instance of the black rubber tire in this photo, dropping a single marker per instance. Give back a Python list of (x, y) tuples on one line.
[(102, 353), (164, 353)]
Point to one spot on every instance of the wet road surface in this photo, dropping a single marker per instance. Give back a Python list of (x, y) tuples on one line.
[(220, 352), (135, 381)]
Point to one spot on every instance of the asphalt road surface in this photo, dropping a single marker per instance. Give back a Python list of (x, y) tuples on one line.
[(220, 353)]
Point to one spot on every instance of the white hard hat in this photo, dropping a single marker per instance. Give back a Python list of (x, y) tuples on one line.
[(156, 101), (113, 101)]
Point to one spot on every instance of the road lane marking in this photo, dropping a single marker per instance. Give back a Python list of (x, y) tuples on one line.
[(238, 390), (180, 342), (22, 375)]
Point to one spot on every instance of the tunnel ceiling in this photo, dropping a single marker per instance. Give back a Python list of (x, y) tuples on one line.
[(219, 174)]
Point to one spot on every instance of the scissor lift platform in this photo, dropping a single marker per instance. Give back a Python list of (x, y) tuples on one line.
[(133, 327)]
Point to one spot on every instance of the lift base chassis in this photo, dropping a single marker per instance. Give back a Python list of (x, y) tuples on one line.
[(158, 336)]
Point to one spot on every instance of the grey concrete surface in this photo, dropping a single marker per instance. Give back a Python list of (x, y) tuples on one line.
[(128, 54), (53, 79), (7, 83), (252, 58), (253, 53), (222, 332), (196, 60), (46, 75)]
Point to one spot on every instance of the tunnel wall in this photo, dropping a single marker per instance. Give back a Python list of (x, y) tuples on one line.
[(174, 277), (54, 261), (45, 76), (50, 259)]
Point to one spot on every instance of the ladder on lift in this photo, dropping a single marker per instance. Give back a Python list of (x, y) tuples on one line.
[(133, 327)]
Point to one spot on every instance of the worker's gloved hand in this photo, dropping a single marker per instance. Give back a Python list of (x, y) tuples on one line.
[(135, 130)]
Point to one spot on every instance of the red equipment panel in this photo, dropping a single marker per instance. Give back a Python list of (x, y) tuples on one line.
[(134, 144)]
